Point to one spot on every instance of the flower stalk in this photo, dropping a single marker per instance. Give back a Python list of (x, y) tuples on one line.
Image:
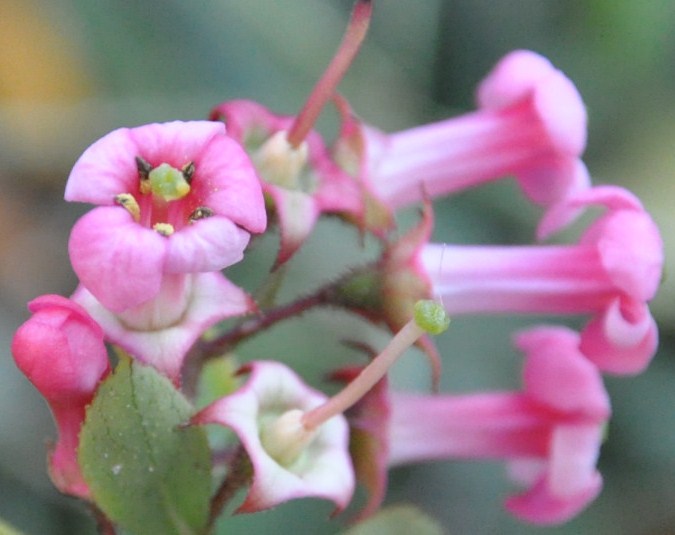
[(325, 87)]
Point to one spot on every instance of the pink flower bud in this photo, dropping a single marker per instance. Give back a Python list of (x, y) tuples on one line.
[(61, 351)]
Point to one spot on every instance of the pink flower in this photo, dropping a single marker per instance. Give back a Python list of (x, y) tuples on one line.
[(550, 433), (303, 182), (61, 351), (177, 197), (610, 274), (161, 331), (263, 415), (531, 124)]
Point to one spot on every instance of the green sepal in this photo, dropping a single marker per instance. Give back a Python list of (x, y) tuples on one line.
[(146, 471)]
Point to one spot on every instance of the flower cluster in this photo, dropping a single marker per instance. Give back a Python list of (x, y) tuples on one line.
[(177, 203)]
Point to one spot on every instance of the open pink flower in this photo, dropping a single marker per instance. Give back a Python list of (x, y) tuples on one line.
[(550, 433), (161, 331), (531, 124), (611, 274), (302, 182), (61, 351), (319, 467), (177, 197)]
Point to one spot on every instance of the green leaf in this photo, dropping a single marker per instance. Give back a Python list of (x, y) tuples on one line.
[(145, 472), (397, 520)]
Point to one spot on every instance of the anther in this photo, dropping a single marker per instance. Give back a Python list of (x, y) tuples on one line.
[(165, 229), (128, 201), (200, 213), (188, 170), (143, 167)]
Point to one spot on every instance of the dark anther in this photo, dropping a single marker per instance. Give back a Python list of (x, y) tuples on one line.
[(143, 167), (188, 171), (200, 213)]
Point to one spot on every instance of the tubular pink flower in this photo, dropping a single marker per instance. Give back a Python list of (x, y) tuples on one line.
[(322, 467), (611, 273), (302, 182), (550, 433), (61, 351), (177, 197), (531, 124), (161, 331)]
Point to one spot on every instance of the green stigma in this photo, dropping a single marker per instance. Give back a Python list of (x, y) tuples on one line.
[(431, 317), (168, 183)]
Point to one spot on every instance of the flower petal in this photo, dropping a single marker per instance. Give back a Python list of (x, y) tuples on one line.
[(208, 244), (212, 298), (623, 339), (227, 183), (116, 259), (539, 506), (175, 143), (323, 470), (558, 375), (106, 169)]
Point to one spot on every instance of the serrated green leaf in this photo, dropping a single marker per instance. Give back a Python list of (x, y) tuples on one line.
[(397, 520), (145, 472)]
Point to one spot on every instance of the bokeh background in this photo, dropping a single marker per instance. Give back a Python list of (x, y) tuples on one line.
[(72, 70)]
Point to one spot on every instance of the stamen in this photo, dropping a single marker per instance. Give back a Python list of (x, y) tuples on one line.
[(143, 167), (325, 87), (188, 170), (200, 213), (129, 202), (165, 229)]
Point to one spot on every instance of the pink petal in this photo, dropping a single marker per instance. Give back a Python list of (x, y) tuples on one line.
[(208, 244), (323, 471), (574, 454), (562, 214), (539, 506), (623, 340), (106, 169), (523, 74), (175, 143), (552, 179), (297, 212), (512, 79), (227, 183), (212, 299), (631, 249), (116, 259), (558, 375)]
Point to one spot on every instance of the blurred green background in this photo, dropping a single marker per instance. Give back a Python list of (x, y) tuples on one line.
[(72, 70)]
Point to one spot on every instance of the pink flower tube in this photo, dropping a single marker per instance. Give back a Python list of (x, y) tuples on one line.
[(550, 433), (531, 124), (610, 274), (173, 198), (61, 351)]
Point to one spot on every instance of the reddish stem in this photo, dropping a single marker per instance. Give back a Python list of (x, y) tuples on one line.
[(325, 87)]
